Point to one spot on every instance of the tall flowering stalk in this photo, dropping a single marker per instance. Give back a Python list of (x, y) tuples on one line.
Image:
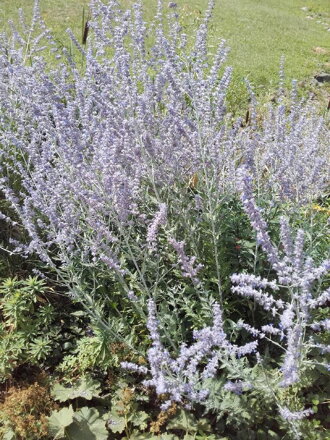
[(158, 220), (187, 264), (181, 377)]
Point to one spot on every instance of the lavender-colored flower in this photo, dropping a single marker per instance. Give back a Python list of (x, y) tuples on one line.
[(286, 414), (287, 317), (270, 329), (158, 220), (254, 281), (254, 331), (322, 299), (211, 367), (85, 152), (290, 367), (180, 378), (187, 263), (153, 323), (247, 286), (237, 387), (324, 324), (248, 348), (131, 296), (299, 251), (134, 368), (254, 213)]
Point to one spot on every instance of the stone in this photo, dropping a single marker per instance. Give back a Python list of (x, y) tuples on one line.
[(322, 77), (320, 50)]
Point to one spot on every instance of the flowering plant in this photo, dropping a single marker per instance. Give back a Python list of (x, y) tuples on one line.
[(123, 175)]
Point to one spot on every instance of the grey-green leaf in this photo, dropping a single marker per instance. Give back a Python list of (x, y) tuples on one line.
[(139, 419), (87, 425), (183, 420), (86, 388), (58, 421), (116, 423)]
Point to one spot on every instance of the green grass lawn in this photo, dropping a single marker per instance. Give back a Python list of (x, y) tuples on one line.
[(258, 32)]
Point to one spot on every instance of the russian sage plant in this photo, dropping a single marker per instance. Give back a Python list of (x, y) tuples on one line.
[(119, 168)]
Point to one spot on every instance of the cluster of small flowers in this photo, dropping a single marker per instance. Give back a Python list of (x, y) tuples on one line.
[(295, 415), (158, 220), (325, 324), (181, 377), (237, 387), (187, 263)]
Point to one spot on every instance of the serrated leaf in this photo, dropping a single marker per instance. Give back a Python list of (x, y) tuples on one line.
[(87, 425), (59, 420), (139, 419), (86, 388), (116, 423), (183, 420)]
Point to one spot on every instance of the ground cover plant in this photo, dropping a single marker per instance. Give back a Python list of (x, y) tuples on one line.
[(180, 256)]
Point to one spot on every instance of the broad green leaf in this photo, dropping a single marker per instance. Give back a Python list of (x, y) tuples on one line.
[(87, 425), (116, 423), (139, 419), (59, 420), (183, 420), (86, 388)]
